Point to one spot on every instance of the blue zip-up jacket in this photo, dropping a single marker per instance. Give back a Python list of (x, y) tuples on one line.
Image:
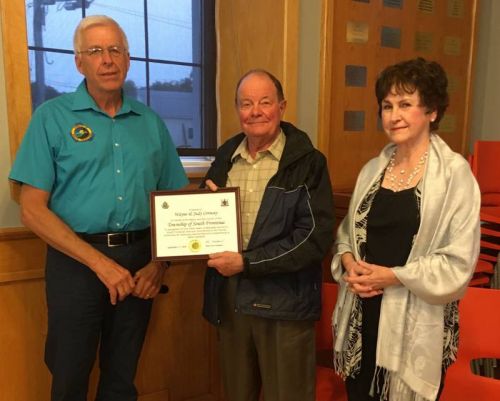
[(292, 233)]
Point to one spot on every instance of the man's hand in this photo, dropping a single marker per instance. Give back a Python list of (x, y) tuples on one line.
[(148, 280), (117, 279), (36, 215), (211, 186), (227, 263)]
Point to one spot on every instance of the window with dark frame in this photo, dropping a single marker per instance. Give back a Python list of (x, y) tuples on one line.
[(172, 51)]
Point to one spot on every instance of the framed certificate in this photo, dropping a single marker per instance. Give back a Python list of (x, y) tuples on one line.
[(191, 224)]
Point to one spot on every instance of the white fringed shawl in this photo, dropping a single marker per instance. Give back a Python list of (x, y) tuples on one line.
[(439, 267)]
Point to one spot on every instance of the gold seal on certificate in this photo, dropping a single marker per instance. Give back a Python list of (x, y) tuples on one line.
[(194, 245), (194, 223)]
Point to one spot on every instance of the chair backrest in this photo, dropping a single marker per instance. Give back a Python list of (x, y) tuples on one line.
[(329, 386), (485, 167), (490, 233), (480, 324), (479, 338), (324, 337)]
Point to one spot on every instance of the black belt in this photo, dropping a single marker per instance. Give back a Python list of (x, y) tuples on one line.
[(115, 239)]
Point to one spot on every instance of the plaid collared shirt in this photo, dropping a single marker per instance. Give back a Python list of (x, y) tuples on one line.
[(252, 176)]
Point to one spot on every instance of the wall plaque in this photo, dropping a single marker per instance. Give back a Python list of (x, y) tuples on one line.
[(356, 32), (380, 127), (354, 121), (390, 37), (423, 42), (456, 8), (453, 83), (426, 6), (355, 75), (452, 46), (393, 3)]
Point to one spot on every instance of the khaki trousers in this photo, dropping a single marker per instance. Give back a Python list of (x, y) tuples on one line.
[(257, 354)]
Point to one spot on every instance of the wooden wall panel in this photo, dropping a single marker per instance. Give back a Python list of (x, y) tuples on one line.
[(348, 150), (23, 376), (179, 355), (17, 83), (256, 34), (23, 326), (21, 263), (178, 362), (15, 54)]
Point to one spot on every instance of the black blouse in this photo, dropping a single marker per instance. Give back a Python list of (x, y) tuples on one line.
[(393, 220)]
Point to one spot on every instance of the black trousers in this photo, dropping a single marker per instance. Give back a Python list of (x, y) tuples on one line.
[(82, 320)]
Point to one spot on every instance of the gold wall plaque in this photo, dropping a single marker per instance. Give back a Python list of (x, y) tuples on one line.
[(453, 83), (424, 41), (379, 124), (390, 37), (452, 46), (426, 6), (456, 8), (448, 123), (356, 32), (393, 3), (354, 121), (355, 75)]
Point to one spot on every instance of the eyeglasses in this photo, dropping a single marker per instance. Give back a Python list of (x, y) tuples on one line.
[(246, 105), (113, 51)]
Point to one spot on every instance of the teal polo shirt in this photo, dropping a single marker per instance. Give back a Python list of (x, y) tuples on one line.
[(98, 170)]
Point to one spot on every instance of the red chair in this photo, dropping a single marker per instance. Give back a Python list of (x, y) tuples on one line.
[(490, 234), (479, 338), (482, 274), (329, 386), (485, 167)]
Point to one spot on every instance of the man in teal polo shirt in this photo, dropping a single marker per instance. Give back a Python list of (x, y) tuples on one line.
[(87, 164)]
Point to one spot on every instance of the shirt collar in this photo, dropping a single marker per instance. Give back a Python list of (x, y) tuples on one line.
[(83, 101), (275, 149)]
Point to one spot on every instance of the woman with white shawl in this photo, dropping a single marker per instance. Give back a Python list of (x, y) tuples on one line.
[(407, 248)]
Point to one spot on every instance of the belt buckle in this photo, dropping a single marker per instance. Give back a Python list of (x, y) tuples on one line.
[(111, 235)]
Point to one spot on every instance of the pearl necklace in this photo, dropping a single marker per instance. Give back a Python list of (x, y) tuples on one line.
[(399, 184)]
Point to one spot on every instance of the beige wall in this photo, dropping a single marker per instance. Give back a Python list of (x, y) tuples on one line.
[(486, 105), (9, 215), (308, 73)]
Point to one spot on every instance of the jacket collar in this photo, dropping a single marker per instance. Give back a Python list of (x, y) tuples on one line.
[(297, 145)]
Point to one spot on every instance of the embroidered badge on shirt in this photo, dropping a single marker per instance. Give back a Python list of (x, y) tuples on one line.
[(81, 133)]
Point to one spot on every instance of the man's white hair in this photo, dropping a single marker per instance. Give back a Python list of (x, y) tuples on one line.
[(93, 20)]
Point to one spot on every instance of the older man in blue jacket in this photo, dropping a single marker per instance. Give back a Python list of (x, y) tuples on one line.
[(265, 300)]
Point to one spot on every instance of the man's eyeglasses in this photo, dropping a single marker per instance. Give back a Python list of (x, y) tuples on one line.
[(113, 51), (265, 104)]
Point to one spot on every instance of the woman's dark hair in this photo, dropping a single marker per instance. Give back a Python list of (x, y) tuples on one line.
[(428, 77)]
